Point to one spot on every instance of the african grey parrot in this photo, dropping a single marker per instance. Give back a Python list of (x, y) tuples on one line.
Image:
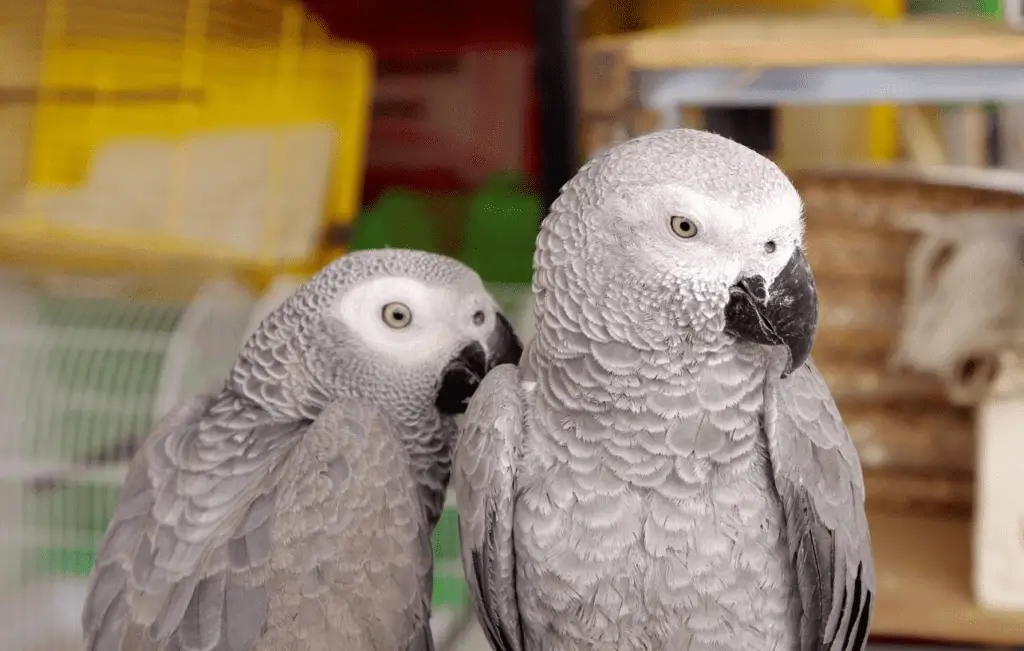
[(293, 509), (665, 468)]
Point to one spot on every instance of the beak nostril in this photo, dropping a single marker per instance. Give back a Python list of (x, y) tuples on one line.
[(479, 317), (756, 287)]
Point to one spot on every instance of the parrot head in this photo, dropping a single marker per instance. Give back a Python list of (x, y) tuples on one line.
[(702, 233), (410, 331)]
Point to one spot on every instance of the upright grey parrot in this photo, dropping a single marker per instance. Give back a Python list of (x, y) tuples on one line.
[(666, 469), (293, 509)]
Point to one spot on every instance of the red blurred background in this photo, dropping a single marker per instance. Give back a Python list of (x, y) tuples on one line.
[(455, 96)]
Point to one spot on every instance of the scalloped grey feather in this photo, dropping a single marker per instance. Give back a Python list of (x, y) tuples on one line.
[(292, 510), (644, 479)]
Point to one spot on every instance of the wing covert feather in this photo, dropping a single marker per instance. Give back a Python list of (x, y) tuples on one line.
[(353, 556), (484, 480), (184, 558), (820, 483)]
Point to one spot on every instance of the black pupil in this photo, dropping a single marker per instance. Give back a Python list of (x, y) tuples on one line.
[(479, 317), (685, 225), (769, 247), (397, 314)]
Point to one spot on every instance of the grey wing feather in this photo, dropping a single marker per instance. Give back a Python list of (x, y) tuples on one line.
[(424, 640), (484, 480), (352, 564), (183, 561), (820, 483)]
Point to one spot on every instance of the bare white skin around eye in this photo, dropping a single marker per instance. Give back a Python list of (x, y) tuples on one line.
[(441, 317), (729, 244)]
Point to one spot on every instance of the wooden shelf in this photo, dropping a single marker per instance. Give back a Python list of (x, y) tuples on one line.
[(816, 41), (637, 82), (923, 566)]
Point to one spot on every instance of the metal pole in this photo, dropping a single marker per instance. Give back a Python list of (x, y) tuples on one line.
[(556, 85)]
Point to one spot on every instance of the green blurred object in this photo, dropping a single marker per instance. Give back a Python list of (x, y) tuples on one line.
[(498, 237), (991, 9), (399, 220), (449, 587), (95, 370), (101, 361), (64, 562), (987, 8)]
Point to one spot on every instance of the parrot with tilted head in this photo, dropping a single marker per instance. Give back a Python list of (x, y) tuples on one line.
[(666, 468), (292, 510)]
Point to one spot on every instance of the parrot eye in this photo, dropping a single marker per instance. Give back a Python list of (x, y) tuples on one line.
[(397, 315), (683, 227), (769, 247)]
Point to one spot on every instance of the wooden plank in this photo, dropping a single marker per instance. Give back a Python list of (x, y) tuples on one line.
[(693, 117), (923, 568), (811, 136), (599, 133), (604, 79), (43, 95), (923, 144), (916, 439), (857, 322), (907, 494), (644, 121), (806, 41), (869, 256), (857, 379), (954, 177), (20, 54), (1011, 135), (966, 129)]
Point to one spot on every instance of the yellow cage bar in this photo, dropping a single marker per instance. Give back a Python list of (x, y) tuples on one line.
[(227, 132)]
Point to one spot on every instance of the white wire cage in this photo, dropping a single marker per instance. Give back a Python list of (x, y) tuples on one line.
[(85, 370), (83, 376)]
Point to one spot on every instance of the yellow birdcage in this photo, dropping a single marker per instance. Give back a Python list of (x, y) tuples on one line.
[(182, 132)]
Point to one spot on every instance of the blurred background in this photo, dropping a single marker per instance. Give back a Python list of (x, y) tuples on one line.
[(171, 169)]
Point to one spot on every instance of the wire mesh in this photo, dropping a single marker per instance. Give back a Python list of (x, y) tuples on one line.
[(84, 372), (83, 379)]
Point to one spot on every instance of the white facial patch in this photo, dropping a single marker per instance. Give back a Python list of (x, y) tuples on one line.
[(435, 326), (698, 259), (713, 216), (781, 223), (729, 243)]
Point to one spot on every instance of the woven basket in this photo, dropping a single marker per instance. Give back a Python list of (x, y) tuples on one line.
[(916, 448)]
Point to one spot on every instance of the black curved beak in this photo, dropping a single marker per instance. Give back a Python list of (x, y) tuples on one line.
[(785, 314), (464, 374)]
